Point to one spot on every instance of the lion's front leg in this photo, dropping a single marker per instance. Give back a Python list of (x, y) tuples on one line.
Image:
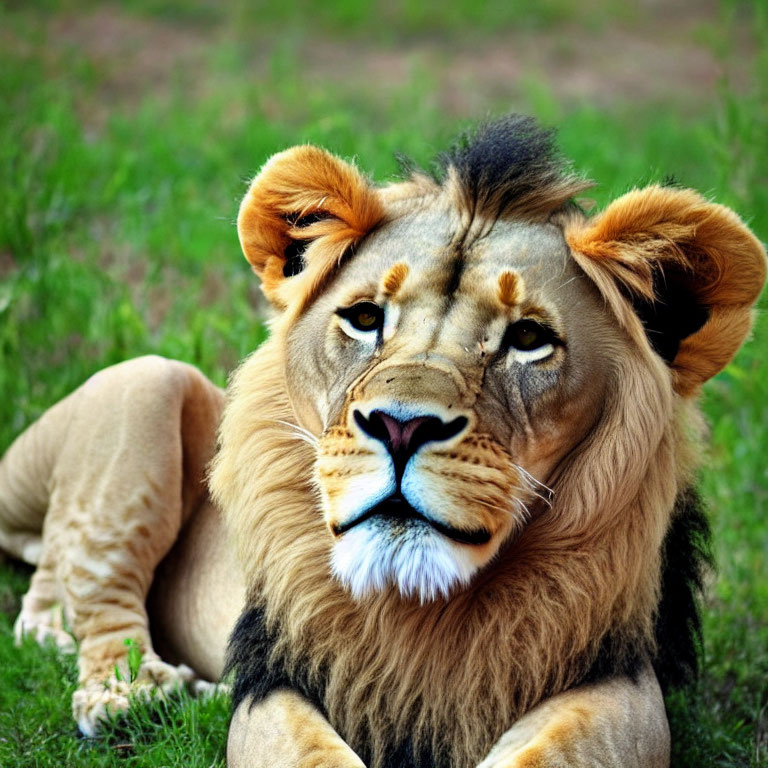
[(617, 723), (285, 731)]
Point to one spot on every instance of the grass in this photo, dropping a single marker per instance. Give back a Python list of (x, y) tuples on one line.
[(117, 200)]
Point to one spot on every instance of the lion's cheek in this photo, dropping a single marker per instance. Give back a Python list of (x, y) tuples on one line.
[(350, 478), (543, 452), (468, 496)]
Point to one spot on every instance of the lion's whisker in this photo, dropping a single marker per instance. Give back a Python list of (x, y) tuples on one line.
[(498, 508), (298, 432), (526, 511), (533, 483), (560, 287)]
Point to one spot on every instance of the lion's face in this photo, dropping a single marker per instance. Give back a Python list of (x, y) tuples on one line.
[(446, 379), (453, 349)]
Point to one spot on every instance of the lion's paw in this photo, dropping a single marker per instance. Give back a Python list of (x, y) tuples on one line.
[(156, 674), (44, 626), (96, 702)]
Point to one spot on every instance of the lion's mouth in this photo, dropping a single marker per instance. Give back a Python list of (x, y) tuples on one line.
[(396, 508)]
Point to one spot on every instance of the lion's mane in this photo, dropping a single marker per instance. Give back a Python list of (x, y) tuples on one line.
[(589, 589)]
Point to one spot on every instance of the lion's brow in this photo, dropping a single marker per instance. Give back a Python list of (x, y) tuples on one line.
[(394, 278)]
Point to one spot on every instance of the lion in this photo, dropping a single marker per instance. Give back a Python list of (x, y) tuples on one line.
[(444, 515)]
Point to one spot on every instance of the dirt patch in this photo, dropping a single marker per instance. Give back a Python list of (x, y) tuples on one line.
[(7, 264), (135, 56), (130, 59), (659, 57)]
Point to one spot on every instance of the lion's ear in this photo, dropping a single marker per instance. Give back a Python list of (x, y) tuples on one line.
[(303, 211), (689, 269)]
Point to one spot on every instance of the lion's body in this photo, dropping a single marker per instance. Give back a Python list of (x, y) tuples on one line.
[(454, 483), (197, 596)]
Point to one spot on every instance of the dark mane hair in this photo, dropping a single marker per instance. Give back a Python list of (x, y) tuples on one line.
[(510, 166), (686, 558)]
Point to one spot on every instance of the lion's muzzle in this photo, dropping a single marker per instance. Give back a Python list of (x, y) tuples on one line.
[(414, 497)]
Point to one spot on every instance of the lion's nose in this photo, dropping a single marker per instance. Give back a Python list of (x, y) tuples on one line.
[(403, 438)]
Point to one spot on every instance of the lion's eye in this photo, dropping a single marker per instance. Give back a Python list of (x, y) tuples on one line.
[(364, 316), (527, 335)]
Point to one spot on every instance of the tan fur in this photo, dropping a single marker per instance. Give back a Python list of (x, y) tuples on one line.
[(612, 723), (574, 487), (285, 730)]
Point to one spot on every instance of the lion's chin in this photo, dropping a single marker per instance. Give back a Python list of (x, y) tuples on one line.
[(419, 561)]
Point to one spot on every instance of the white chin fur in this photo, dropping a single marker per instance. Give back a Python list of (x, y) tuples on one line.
[(422, 563)]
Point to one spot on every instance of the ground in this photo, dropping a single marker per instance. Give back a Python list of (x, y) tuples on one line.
[(127, 132)]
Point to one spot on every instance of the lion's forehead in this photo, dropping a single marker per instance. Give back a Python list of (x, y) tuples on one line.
[(447, 259)]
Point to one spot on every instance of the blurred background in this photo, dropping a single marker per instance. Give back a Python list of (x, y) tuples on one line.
[(128, 131)]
